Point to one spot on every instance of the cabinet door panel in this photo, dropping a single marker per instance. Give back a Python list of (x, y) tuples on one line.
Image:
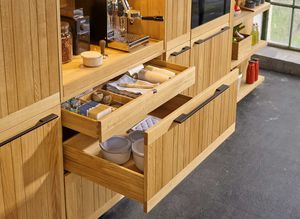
[(212, 59), (32, 174), (180, 56), (29, 48), (178, 18)]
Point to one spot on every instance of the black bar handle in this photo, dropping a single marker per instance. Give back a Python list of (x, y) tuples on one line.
[(184, 49), (219, 32), (153, 18), (182, 118), (40, 123)]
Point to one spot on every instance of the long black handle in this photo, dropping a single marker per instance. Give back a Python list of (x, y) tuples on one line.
[(187, 48), (219, 32), (40, 123), (153, 18), (182, 118)]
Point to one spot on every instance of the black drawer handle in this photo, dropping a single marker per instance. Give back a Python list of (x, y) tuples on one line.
[(182, 118), (154, 18), (184, 49), (40, 123), (219, 32)]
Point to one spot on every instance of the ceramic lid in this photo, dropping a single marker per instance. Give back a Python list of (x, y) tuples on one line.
[(116, 145)]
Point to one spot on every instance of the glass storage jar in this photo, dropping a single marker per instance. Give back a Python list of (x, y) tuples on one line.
[(66, 42)]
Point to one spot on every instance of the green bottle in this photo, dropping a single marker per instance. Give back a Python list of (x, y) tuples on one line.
[(254, 35)]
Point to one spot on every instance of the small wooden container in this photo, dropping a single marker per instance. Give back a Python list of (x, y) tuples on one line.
[(239, 49)]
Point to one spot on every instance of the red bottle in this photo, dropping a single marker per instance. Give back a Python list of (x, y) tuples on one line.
[(250, 79), (256, 68)]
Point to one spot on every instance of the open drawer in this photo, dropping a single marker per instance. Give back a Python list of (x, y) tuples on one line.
[(125, 117), (190, 130)]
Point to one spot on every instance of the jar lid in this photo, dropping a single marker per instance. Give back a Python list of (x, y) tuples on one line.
[(64, 26), (116, 145)]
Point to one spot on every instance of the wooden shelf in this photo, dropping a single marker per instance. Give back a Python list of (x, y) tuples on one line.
[(78, 79), (247, 14), (244, 57), (246, 89)]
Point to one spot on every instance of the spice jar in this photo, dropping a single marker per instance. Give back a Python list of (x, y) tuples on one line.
[(66, 42)]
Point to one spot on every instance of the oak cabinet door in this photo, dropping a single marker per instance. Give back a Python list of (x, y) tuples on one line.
[(29, 53), (178, 18), (31, 173), (212, 59)]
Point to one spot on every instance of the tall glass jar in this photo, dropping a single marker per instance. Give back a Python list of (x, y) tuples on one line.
[(66, 42)]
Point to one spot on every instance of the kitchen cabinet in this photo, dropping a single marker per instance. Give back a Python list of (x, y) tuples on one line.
[(31, 172), (86, 199), (189, 130), (211, 56), (29, 54)]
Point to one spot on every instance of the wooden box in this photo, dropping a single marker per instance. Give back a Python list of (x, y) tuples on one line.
[(239, 49)]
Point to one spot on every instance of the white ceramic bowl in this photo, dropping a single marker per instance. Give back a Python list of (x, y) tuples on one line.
[(117, 149), (92, 59), (136, 135), (138, 154)]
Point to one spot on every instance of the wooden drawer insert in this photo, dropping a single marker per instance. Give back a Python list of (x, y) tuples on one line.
[(122, 119), (172, 149)]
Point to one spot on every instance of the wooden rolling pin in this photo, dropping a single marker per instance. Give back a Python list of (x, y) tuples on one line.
[(139, 86), (153, 76), (160, 70)]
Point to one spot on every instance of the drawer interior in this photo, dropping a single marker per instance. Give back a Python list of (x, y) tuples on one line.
[(123, 118)]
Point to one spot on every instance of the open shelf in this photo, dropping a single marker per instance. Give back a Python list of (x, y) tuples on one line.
[(247, 14), (78, 78), (247, 55), (246, 89)]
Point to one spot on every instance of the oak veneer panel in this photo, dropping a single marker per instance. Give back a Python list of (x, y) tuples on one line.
[(178, 22), (86, 199), (188, 148), (211, 58), (32, 175), (29, 52), (180, 59)]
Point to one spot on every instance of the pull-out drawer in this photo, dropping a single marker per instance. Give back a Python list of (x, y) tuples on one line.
[(125, 117), (190, 130)]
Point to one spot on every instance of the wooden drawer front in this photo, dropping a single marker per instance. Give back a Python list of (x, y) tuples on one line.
[(172, 150), (131, 113), (211, 56), (171, 156), (178, 18), (180, 56), (31, 174)]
